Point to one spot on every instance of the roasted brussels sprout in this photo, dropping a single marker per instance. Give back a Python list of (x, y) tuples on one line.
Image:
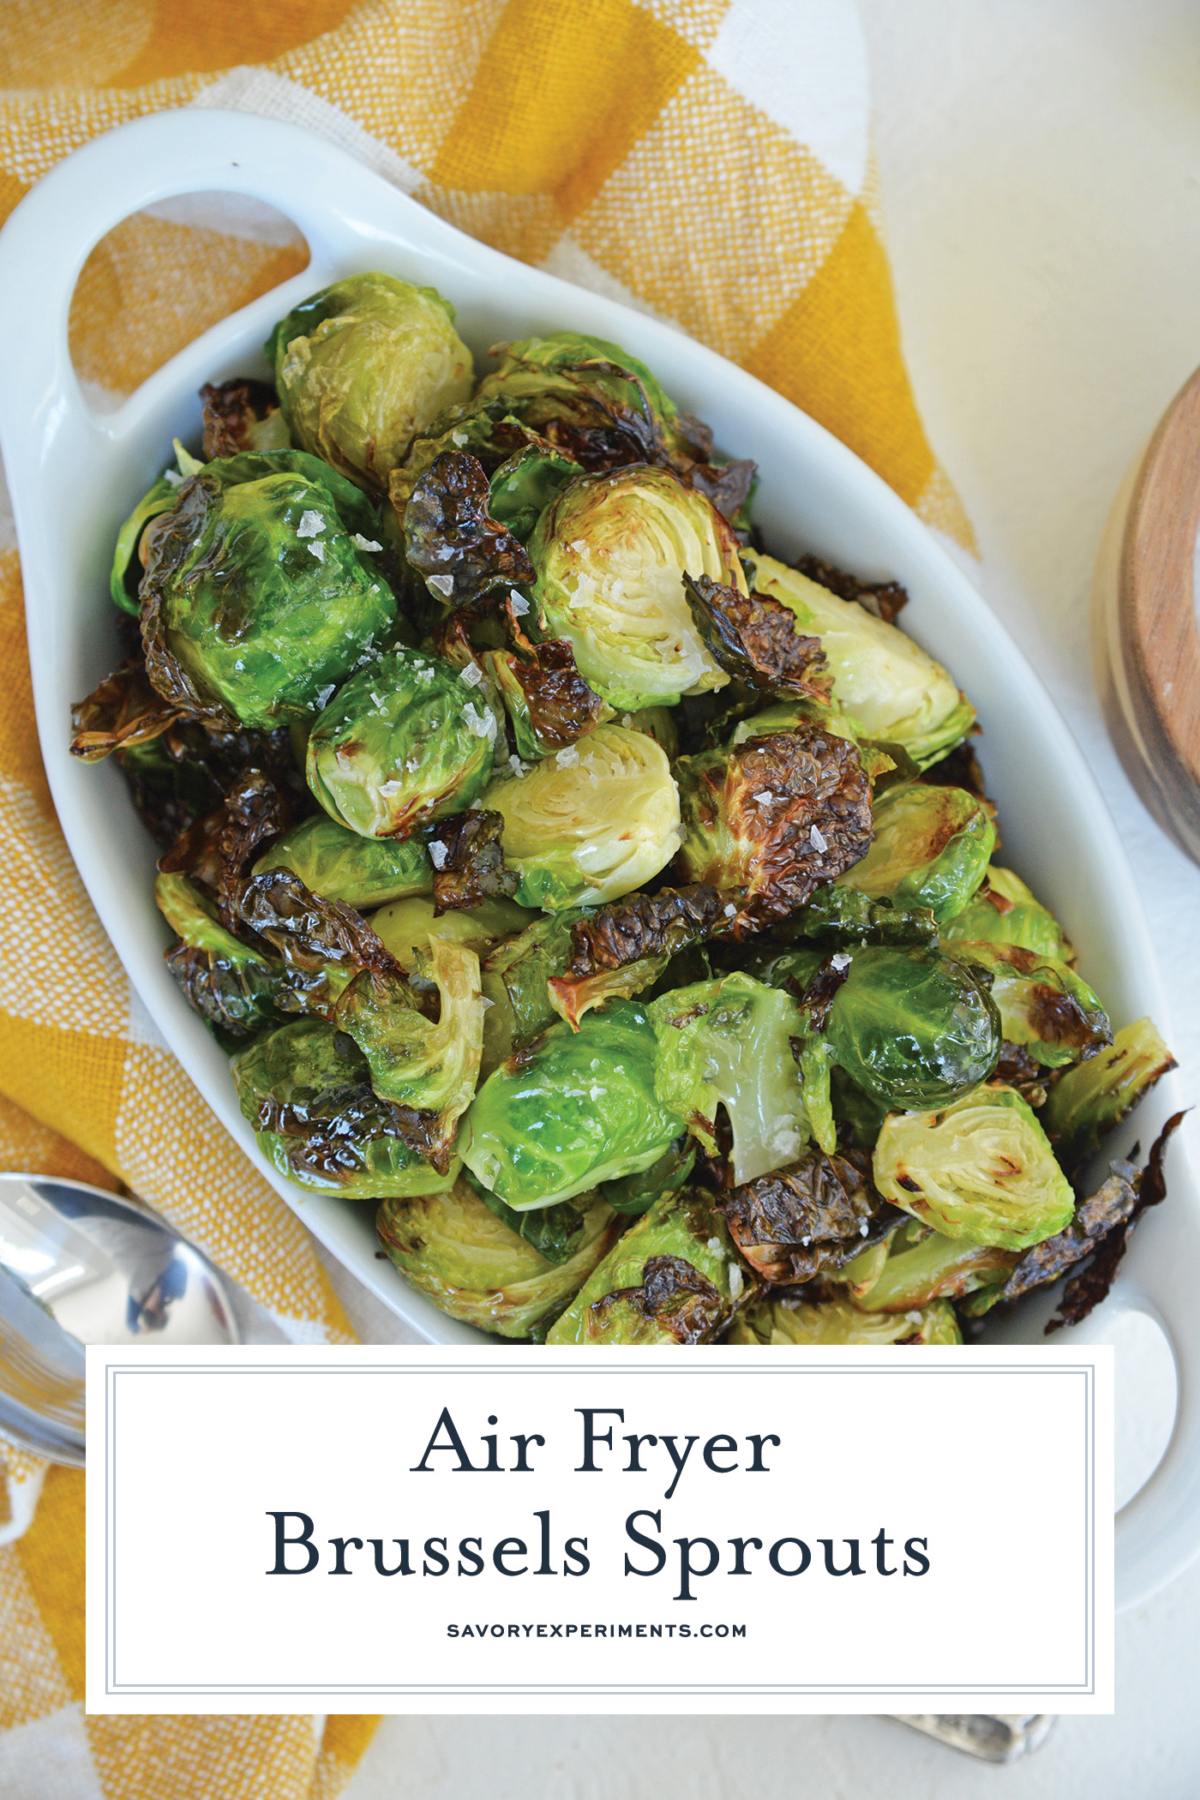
[(635, 1194), (772, 819), (406, 926), (922, 1265), (306, 1089), (728, 1042), (1003, 911), (788, 1321), (1088, 1102), (838, 915), (912, 1028), (674, 1278), (364, 365), (403, 741), (1043, 1005), (224, 980), (611, 553), (809, 1219), (981, 1169), (332, 860), (259, 594), (591, 823), (515, 979), (885, 681), (453, 1248), (126, 572), (930, 849), (577, 1109)]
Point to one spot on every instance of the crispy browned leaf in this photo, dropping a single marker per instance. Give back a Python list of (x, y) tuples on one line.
[(1018, 1069), (675, 1296), (561, 705), (468, 860), (727, 485), (185, 773), (168, 540), (1112, 1205), (816, 1214), (231, 411), (755, 638), (215, 850), (124, 709), (960, 768), (310, 932), (452, 539), (883, 598), (643, 925)]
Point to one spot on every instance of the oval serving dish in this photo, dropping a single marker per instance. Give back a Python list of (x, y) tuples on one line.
[(74, 476)]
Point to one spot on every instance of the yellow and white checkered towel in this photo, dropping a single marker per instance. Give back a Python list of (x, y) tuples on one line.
[(706, 160)]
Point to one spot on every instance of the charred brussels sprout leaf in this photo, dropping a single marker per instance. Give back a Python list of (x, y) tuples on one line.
[(452, 540), (1003, 911), (644, 925), (1042, 1004), (257, 596), (123, 711), (468, 860), (773, 818), (364, 365), (930, 849), (912, 1028), (306, 1090), (755, 638), (674, 1278), (221, 978), (809, 1218), (981, 1169), (728, 1043), (789, 1321), (471, 1264), (1090, 1101), (215, 849), (241, 415), (548, 702), (323, 943), (126, 572), (592, 823), (885, 681), (336, 862), (611, 553), (577, 1109), (403, 741)]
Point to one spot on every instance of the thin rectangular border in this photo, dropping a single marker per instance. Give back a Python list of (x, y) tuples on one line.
[(115, 1689)]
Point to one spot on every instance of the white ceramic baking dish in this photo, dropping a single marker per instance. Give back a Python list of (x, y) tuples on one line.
[(74, 475)]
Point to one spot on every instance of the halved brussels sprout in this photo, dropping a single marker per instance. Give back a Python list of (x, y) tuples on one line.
[(407, 926), (728, 1043), (931, 848), (577, 1109), (922, 1266), (1089, 1101), (404, 741), (331, 859), (912, 1028), (611, 553), (258, 595), (981, 1169), (773, 818), (454, 1249), (592, 823), (364, 365), (788, 1321), (306, 1089), (1042, 1004), (1004, 911), (674, 1278), (892, 689), (224, 980)]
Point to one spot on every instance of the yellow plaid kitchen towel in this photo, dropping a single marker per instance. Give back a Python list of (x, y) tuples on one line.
[(705, 160)]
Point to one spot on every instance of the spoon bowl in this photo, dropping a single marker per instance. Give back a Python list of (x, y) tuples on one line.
[(81, 1266)]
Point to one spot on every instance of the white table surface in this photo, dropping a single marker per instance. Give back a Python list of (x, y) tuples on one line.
[(1040, 168)]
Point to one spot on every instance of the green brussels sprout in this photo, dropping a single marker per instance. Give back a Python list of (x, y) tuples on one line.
[(555, 1232), (674, 1278), (920, 1266), (592, 823), (1090, 1100), (1003, 911), (930, 849), (126, 572), (611, 553), (1042, 1004), (577, 1109), (837, 915), (633, 1195), (224, 980), (981, 1169), (364, 365), (406, 927), (888, 684), (728, 1042), (912, 1028), (404, 741), (306, 1089), (454, 1249), (856, 1278), (363, 872), (788, 1321), (524, 486), (515, 979), (257, 597), (773, 818)]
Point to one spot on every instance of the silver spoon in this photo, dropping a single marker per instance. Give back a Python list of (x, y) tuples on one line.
[(80, 1266)]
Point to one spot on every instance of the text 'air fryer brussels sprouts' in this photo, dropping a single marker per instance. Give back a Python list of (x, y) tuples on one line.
[(605, 902)]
